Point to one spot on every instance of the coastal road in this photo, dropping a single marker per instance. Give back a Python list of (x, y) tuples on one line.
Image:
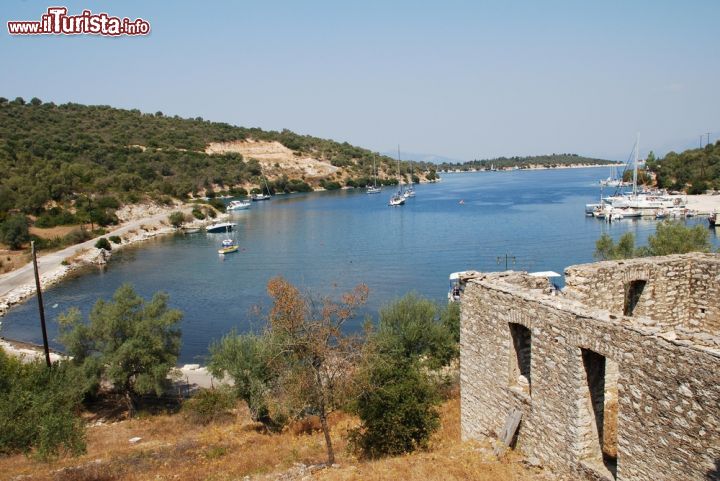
[(52, 261)]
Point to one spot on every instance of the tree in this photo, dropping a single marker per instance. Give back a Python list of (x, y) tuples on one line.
[(606, 249), (676, 238), (39, 408), (397, 394), (412, 327), (303, 361), (127, 342), (247, 359), (396, 406), (315, 356), (14, 231), (669, 238)]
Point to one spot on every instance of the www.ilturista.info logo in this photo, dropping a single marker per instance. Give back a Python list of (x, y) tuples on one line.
[(57, 22)]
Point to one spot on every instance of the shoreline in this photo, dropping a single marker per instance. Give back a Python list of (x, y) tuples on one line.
[(141, 222), (530, 167), (194, 375)]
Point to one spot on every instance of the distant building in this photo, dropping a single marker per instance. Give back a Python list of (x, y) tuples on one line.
[(617, 377)]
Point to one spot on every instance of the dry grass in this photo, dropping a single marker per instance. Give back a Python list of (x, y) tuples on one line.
[(172, 449), (53, 232), (11, 260)]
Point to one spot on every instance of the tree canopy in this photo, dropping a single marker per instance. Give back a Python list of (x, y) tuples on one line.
[(669, 238), (128, 342)]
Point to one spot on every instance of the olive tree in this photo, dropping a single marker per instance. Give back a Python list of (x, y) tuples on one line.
[(127, 342)]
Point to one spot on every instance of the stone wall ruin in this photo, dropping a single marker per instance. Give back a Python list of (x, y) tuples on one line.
[(617, 377)]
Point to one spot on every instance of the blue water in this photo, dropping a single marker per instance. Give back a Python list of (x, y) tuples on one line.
[(327, 242)]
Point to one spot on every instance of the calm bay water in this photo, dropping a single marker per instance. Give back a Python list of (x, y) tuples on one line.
[(328, 242)]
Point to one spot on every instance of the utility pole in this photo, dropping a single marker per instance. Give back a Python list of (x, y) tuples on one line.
[(708, 137), (507, 257), (40, 305)]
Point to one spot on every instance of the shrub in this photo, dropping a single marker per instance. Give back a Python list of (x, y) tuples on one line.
[(103, 243), (209, 405), (411, 326), (14, 231), (115, 239), (396, 408), (198, 214), (38, 408), (176, 219)]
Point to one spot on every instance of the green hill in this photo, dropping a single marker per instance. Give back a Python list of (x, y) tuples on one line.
[(551, 160), (57, 154), (693, 171)]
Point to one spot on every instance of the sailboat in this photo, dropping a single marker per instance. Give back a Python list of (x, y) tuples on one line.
[(374, 189), (646, 202), (410, 191), (399, 198), (262, 195), (613, 180)]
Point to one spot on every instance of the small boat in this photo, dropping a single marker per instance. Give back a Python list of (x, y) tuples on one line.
[(238, 205), (228, 246), (712, 220), (191, 230), (262, 195), (410, 191), (220, 227), (399, 198), (396, 199)]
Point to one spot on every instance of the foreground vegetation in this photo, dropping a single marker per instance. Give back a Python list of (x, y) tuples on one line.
[(669, 238), (299, 374)]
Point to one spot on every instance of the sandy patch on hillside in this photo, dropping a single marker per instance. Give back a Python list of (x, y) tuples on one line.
[(275, 158)]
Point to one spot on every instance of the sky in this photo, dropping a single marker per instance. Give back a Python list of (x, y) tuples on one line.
[(461, 79)]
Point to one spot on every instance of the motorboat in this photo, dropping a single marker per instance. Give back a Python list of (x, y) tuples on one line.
[(228, 246), (220, 227), (238, 205)]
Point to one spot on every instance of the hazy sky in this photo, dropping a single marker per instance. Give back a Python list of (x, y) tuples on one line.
[(461, 79)]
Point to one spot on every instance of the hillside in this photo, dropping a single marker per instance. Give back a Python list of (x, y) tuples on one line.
[(694, 170), (59, 153), (551, 160)]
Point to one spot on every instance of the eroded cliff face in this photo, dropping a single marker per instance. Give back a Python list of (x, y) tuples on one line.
[(276, 159)]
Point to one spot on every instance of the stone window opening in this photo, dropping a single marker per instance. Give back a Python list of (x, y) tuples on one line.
[(633, 291), (520, 358), (599, 413)]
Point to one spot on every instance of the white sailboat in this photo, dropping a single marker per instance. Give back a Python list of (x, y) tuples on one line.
[(374, 189), (262, 195), (410, 191), (399, 198), (647, 202)]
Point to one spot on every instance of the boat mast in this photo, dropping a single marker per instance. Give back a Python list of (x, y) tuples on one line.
[(635, 169), (400, 189)]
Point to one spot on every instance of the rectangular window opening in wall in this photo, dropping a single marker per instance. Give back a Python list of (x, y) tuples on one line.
[(633, 291), (520, 358), (599, 413)]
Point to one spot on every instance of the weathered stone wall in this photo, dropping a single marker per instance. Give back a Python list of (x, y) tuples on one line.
[(668, 392)]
